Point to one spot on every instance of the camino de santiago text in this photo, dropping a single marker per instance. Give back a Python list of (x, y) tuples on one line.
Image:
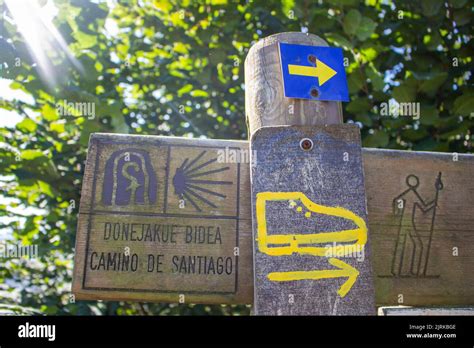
[(165, 234)]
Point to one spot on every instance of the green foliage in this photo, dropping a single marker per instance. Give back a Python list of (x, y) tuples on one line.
[(176, 68)]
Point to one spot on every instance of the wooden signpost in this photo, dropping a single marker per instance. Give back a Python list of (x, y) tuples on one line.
[(309, 213), (386, 173), (161, 220), (169, 219)]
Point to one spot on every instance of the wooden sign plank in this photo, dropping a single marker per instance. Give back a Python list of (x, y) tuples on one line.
[(386, 173), (421, 213), (311, 247), (161, 220)]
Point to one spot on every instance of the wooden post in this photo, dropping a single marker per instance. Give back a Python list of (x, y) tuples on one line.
[(265, 104), (311, 248)]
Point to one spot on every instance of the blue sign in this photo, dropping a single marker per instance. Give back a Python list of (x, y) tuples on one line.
[(313, 72)]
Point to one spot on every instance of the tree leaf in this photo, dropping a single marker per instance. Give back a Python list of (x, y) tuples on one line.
[(351, 22), (27, 125), (404, 93), (429, 115), (31, 154), (431, 85), (355, 81), (366, 28), (375, 78), (358, 105), (431, 7), (339, 40), (378, 139), (464, 105), (49, 113)]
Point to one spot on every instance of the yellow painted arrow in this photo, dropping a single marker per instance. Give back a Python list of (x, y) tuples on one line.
[(344, 270), (321, 71)]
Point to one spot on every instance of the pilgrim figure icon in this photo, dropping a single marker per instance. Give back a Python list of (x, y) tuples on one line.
[(129, 179), (413, 244)]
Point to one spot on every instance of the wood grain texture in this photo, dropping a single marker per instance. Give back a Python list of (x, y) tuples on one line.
[(311, 242), (386, 173), (265, 104), (421, 213), (163, 219)]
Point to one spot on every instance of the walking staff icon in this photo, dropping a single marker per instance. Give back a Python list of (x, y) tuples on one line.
[(413, 245)]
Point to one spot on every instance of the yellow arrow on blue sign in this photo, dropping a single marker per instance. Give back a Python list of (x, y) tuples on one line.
[(313, 72), (321, 71)]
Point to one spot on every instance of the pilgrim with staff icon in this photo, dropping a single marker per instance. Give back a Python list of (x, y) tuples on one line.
[(412, 249)]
